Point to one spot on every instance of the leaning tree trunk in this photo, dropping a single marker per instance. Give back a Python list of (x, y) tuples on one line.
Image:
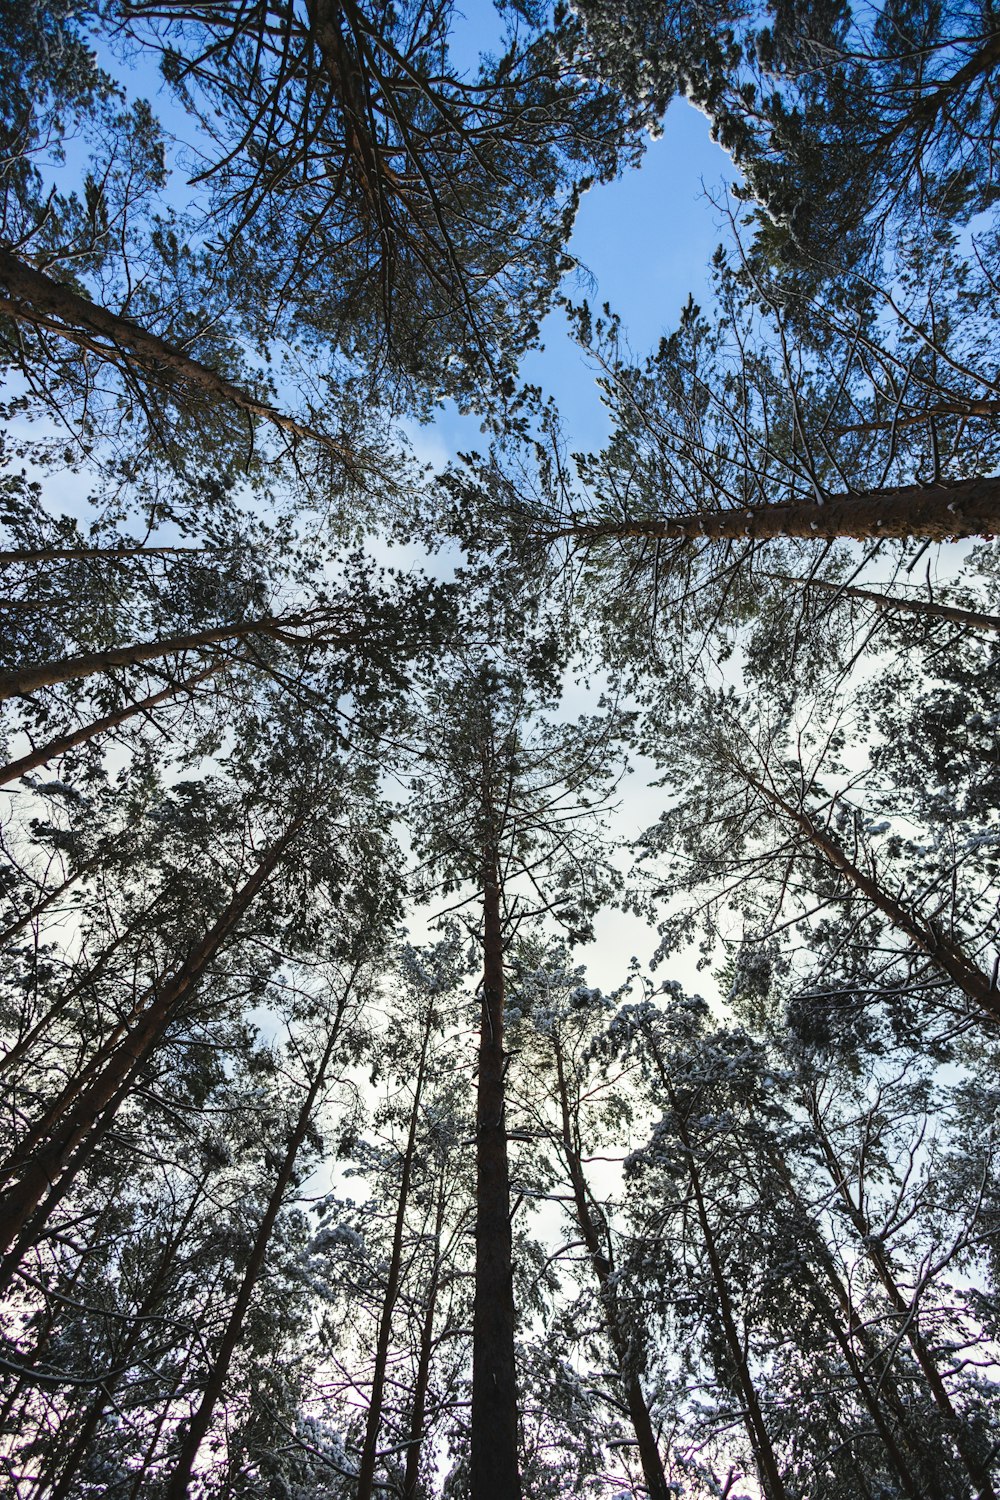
[(48, 1171), (884, 1395), (180, 1480), (50, 673), (41, 302), (494, 1469), (80, 873), (152, 1295), (369, 1451), (600, 1258), (64, 742), (966, 507), (947, 955), (975, 1466), (928, 609), (27, 1042)]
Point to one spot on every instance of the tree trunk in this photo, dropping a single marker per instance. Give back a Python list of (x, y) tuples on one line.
[(48, 674), (898, 1463), (87, 868), (904, 1309), (21, 1048), (760, 1441), (108, 554), (856, 1332), (600, 1259), (369, 1451), (963, 972), (415, 1433), (892, 604), (494, 1470), (59, 746), (64, 1486), (966, 507), (180, 1480), (38, 300), (49, 1170)]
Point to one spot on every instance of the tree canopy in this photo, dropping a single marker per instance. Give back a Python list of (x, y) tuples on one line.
[(345, 1149)]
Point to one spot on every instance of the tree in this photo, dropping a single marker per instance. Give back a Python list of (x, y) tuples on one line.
[(497, 810)]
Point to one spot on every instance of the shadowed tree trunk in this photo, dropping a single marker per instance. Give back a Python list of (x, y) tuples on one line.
[(369, 1451), (46, 1174), (904, 1309), (892, 604), (770, 1475), (967, 507), (41, 302), (48, 674), (600, 1259), (494, 1468), (421, 1385), (80, 873), (180, 1480)]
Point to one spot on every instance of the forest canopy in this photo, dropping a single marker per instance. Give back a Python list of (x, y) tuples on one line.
[(346, 1152)]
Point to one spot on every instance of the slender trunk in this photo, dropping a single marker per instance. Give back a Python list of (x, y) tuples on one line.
[(40, 301), (47, 1173), (904, 1309), (967, 507), (948, 956), (180, 1480), (21, 1048), (856, 1333), (760, 1441), (421, 1385), (973, 407), (892, 604), (108, 554), (65, 1484), (494, 1471), (48, 674), (600, 1259), (87, 868), (369, 1451), (88, 732), (897, 1461)]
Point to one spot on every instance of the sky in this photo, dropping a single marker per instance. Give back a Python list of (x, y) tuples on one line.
[(643, 244)]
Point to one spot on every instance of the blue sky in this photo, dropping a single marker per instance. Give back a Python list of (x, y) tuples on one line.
[(646, 241)]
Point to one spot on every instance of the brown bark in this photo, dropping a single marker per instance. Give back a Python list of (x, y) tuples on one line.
[(949, 957), (369, 1451), (600, 1259), (494, 1467), (47, 1172), (928, 608), (180, 1480), (904, 1309), (44, 753), (48, 674), (957, 408), (34, 298), (965, 507)]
